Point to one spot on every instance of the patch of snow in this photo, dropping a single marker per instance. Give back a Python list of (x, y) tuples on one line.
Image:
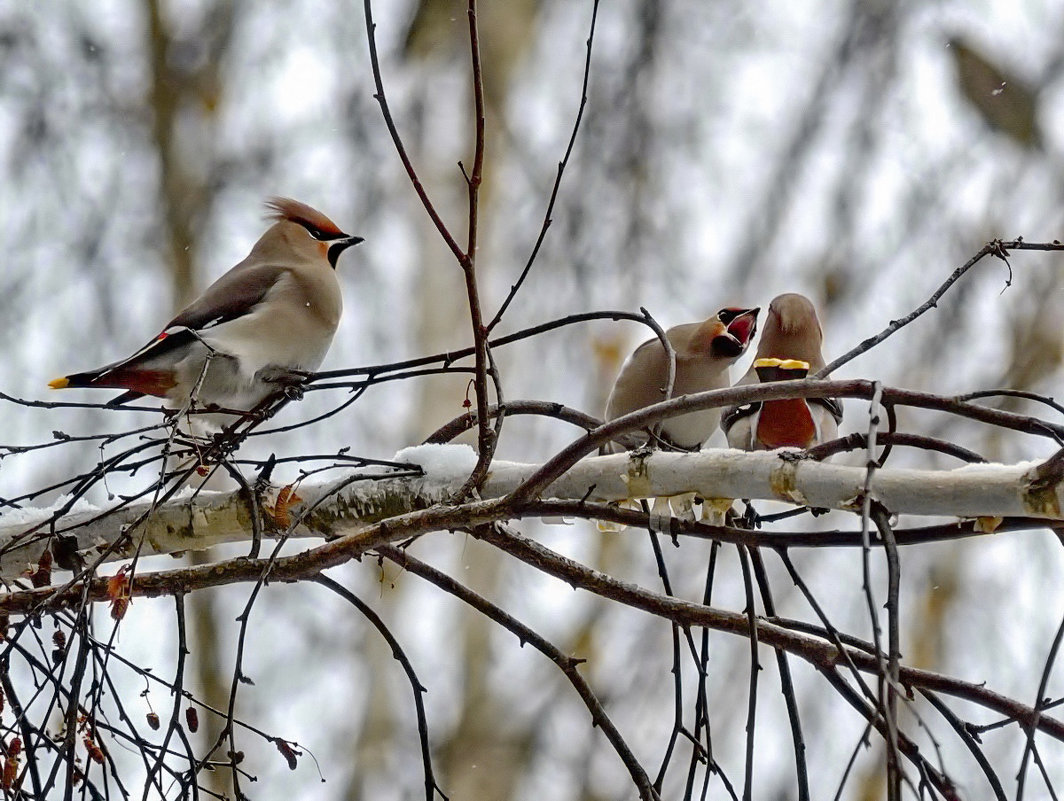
[(995, 469), (32, 516), (443, 464)]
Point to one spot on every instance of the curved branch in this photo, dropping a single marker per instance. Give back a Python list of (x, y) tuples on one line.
[(776, 390), (567, 664), (464, 422), (995, 247), (408, 668), (820, 653)]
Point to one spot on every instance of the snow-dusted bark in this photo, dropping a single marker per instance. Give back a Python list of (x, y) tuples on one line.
[(341, 506)]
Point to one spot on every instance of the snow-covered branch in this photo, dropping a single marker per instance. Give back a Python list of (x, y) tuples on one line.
[(339, 507)]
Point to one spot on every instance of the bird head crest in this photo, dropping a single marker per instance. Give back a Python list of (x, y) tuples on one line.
[(320, 226)]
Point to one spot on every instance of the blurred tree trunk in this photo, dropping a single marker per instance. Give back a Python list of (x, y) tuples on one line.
[(185, 91), (476, 762)]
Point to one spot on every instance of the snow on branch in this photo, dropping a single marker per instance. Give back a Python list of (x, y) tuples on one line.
[(344, 506)]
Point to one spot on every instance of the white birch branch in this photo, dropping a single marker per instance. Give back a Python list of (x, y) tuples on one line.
[(339, 507)]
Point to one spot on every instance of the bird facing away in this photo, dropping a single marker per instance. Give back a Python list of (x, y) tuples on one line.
[(790, 348), (259, 328), (704, 351)]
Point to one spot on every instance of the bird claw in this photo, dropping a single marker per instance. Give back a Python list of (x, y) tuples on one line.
[(749, 519), (791, 455), (291, 381), (283, 375)]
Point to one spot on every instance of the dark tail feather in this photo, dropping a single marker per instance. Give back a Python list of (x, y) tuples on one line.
[(125, 397), (137, 382)]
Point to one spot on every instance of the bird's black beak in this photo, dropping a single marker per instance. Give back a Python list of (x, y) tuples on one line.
[(338, 246)]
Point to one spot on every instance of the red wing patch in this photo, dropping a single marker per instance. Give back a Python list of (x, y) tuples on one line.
[(786, 424)]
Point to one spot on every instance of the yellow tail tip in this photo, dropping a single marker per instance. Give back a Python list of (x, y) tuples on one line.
[(768, 362), (783, 364), (59, 383)]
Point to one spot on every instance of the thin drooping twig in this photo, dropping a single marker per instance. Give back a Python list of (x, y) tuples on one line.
[(704, 754), (18, 711), (71, 713), (557, 180), (962, 731), (886, 681), (678, 727), (177, 691), (881, 517), (996, 247), (790, 698), (755, 669), (431, 787), (677, 673), (824, 653), (567, 664), (862, 742), (833, 634), (938, 780), (1029, 746)]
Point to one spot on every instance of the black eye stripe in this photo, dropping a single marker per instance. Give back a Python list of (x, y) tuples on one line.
[(317, 233)]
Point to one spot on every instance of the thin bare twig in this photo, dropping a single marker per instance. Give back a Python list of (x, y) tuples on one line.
[(1029, 747), (486, 435), (431, 787), (557, 180), (568, 665), (755, 669), (790, 699), (995, 247), (464, 422), (397, 141), (961, 728)]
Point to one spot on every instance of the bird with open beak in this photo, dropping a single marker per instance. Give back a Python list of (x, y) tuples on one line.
[(704, 352)]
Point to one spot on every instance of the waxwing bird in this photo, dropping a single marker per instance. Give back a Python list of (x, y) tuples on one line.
[(790, 348), (704, 351), (259, 328)]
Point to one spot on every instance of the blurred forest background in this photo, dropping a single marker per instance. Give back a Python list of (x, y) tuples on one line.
[(854, 152)]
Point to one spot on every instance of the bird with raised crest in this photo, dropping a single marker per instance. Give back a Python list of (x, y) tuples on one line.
[(259, 329)]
